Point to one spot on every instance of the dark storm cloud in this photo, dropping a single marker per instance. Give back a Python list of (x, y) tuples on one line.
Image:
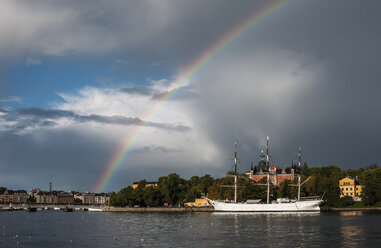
[(32, 117), (183, 93), (332, 114), (138, 90), (153, 149), (335, 118), (139, 31), (62, 157)]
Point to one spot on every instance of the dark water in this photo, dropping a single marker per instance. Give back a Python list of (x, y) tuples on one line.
[(97, 229)]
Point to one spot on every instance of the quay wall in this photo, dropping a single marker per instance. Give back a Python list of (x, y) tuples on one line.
[(352, 209), (157, 209)]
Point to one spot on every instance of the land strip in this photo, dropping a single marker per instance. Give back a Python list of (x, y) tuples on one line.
[(157, 209)]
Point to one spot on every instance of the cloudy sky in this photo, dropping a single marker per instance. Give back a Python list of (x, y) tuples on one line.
[(77, 79)]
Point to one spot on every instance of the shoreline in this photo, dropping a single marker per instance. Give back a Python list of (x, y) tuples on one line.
[(158, 209), (210, 210), (351, 209), (166, 209)]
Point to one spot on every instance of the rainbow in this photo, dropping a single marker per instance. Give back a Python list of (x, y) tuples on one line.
[(188, 72)]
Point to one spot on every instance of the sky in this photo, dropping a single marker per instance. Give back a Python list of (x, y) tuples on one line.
[(78, 77)]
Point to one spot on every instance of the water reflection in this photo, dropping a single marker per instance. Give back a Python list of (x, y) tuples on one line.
[(269, 213), (351, 213), (56, 229), (351, 235)]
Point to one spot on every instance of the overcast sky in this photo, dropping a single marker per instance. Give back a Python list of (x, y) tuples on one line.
[(76, 78)]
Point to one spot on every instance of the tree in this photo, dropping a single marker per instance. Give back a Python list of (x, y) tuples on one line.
[(125, 197), (252, 190), (344, 202), (371, 167), (371, 190), (2, 190), (284, 190), (305, 170), (172, 188), (151, 197)]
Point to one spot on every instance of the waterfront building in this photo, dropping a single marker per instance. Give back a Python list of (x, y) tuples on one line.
[(65, 198), (43, 197), (92, 199), (277, 175), (14, 196), (350, 187), (52, 197)]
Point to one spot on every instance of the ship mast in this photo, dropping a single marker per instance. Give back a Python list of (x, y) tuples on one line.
[(300, 157), (235, 170), (268, 169), (299, 185), (268, 188), (267, 152)]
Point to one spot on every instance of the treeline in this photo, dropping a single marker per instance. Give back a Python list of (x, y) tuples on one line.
[(174, 190)]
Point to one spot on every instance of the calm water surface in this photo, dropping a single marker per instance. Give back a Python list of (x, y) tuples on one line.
[(97, 229)]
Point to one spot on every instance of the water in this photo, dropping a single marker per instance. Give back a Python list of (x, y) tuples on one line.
[(97, 229)]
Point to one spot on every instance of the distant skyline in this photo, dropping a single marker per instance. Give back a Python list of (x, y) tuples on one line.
[(76, 79)]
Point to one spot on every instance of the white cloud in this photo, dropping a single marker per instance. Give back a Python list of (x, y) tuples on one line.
[(108, 101)]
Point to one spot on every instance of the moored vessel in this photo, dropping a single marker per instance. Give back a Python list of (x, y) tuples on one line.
[(280, 205)]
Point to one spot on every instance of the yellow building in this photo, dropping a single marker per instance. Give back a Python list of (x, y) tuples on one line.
[(350, 187), (149, 184), (198, 202)]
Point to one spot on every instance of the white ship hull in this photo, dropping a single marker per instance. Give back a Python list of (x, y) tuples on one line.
[(298, 206)]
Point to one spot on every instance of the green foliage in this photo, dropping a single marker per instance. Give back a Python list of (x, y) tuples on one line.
[(123, 198), (371, 190), (284, 190), (344, 202), (251, 190), (2, 190), (305, 171), (173, 189), (358, 204)]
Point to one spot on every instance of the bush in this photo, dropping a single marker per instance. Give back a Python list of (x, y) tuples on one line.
[(358, 205), (344, 202)]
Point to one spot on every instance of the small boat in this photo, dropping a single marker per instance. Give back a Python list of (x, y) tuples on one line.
[(31, 209), (67, 209), (95, 210)]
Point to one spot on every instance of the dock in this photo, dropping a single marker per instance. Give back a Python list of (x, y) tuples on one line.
[(159, 209)]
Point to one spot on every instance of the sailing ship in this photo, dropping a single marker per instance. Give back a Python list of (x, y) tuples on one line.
[(280, 205)]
